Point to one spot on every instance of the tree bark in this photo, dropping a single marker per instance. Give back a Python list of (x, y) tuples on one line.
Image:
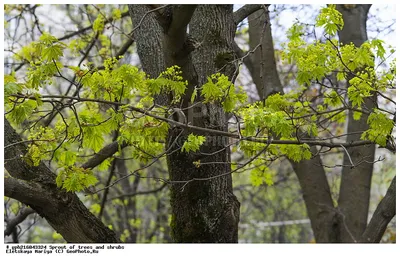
[(311, 174), (202, 211), (356, 181), (383, 214), (36, 187), (264, 73)]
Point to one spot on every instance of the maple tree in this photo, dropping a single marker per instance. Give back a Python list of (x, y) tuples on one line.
[(183, 108)]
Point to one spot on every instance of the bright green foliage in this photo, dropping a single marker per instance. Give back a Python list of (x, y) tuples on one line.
[(359, 89), (146, 135), (193, 143), (261, 174), (357, 115), (117, 91), (98, 24), (51, 48), (56, 236), (296, 152), (170, 80), (22, 111), (380, 128), (77, 45), (11, 88), (295, 32), (43, 142), (116, 14), (332, 99), (75, 178), (135, 223), (95, 208), (125, 235), (219, 88), (330, 19)]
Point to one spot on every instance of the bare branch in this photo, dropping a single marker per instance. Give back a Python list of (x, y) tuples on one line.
[(22, 215), (103, 154), (245, 11), (140, 192), (109, 20)]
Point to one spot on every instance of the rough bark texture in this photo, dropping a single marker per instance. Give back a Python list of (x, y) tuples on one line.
[(356, 181), (150, 47), (207, 211), (36, 187), (202, 211)]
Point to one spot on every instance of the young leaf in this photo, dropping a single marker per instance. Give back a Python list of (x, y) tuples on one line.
[(193, 143)]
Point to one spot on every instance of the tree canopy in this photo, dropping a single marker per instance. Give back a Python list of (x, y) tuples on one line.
[(140, 114)]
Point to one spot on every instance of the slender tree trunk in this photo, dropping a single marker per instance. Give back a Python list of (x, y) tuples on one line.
[(311, 174), (355, 184)]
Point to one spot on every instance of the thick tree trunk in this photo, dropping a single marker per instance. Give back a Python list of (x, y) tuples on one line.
[(36, 187), (202, 211), (356, 181)]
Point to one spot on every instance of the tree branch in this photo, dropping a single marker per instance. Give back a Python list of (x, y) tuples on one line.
[(109, 20), (211, 132), (245, 11), (181, 15), (36, 187), (140, 192), (29, 193), (383, 214), (103, 154), (22, 215)]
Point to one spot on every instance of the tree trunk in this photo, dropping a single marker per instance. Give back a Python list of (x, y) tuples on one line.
[(202, 211), (311, 174), (264, 72), (356, 181)]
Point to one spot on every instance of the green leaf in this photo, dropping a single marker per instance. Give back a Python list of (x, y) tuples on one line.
[(95, 208), (75, 179), (193, 143), (194, 95), (340, 76), (47, 39), (357, 115), (12, 88), (68, 157), (295, 32), (22, 111), (89, 180), (378, 44), (93, 138), (261, 174), (52, 52), (331, 19), (116, 14), (98, 24), (60, 179), (297, 152)]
